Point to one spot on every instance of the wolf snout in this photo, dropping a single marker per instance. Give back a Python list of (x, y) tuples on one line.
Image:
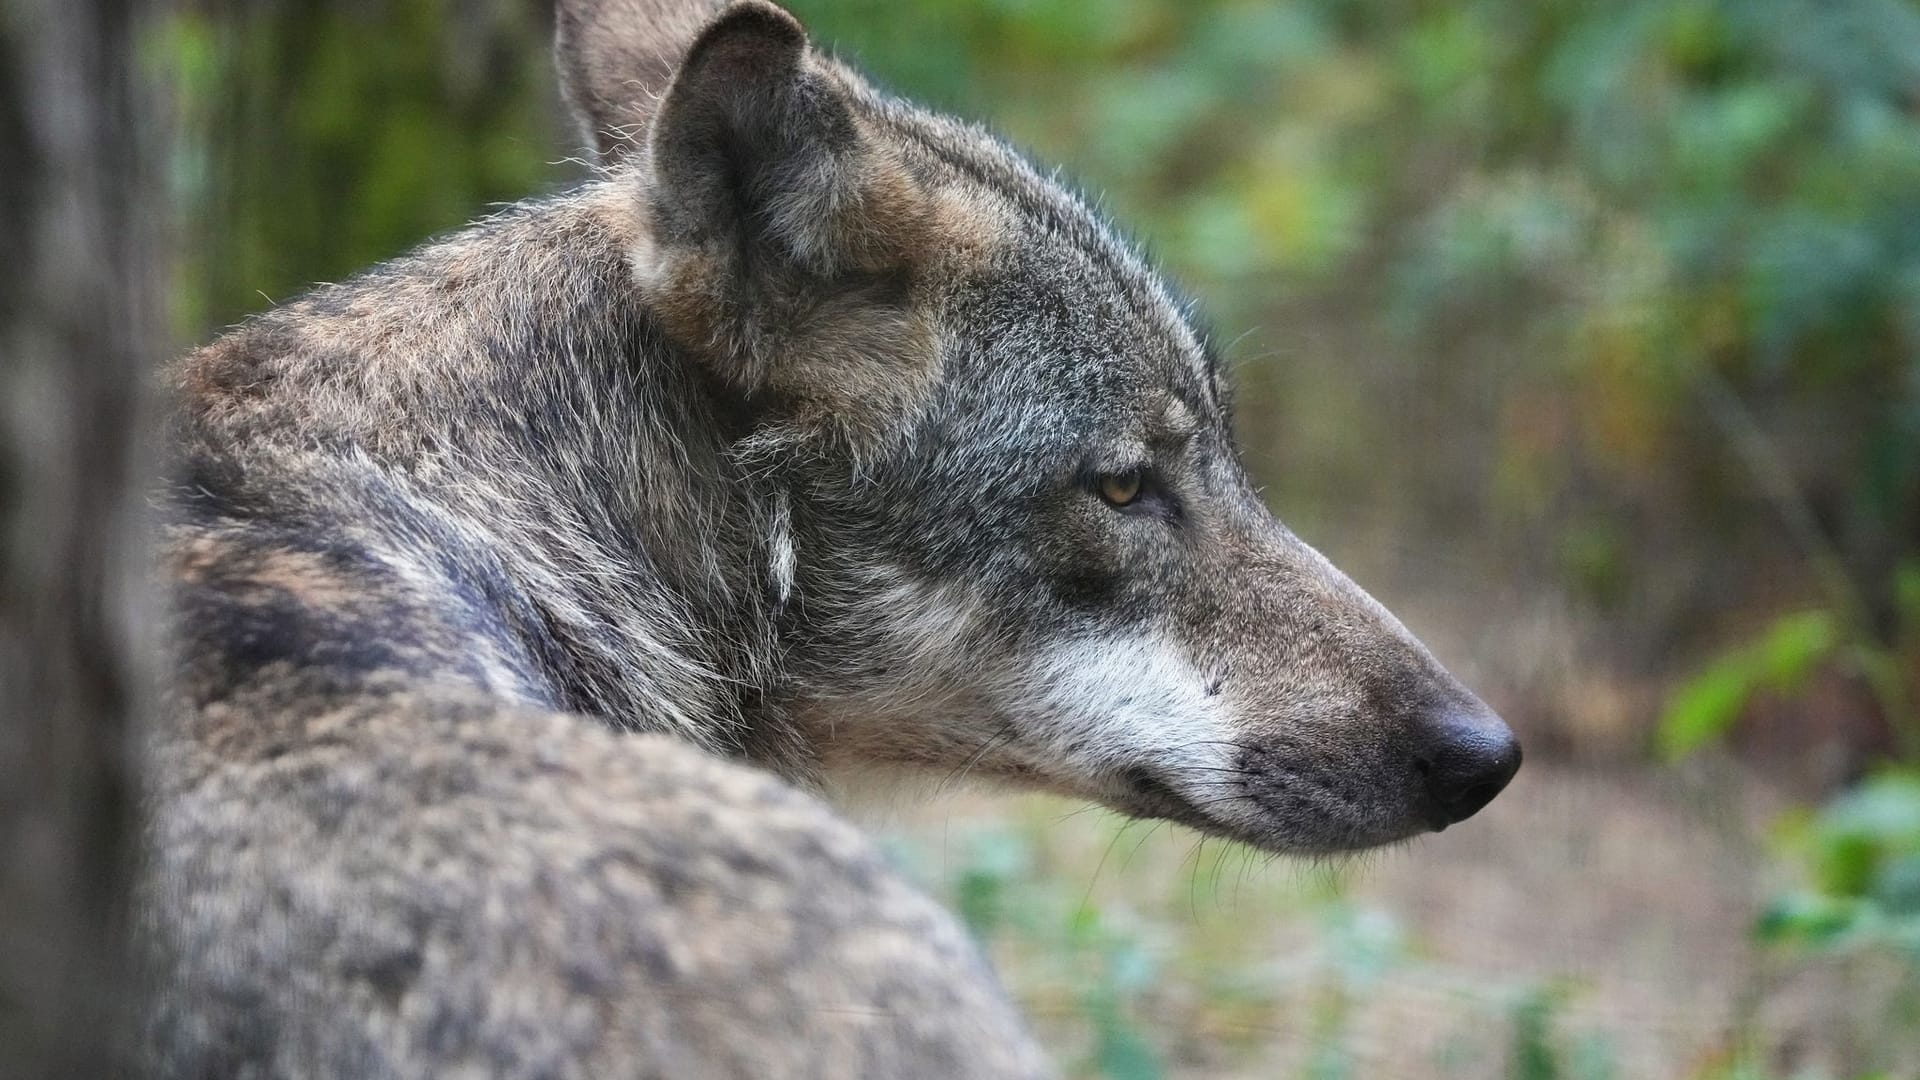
[(1468, 758)]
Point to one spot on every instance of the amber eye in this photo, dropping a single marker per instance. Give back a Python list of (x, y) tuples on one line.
[(1121, 489)]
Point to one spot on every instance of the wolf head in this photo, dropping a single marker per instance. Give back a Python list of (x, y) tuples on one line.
[(1008, 534)]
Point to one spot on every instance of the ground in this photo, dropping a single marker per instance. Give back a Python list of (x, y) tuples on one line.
[(1591, 923)]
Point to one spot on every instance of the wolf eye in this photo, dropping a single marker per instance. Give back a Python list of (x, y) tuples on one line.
[(1122, 488)]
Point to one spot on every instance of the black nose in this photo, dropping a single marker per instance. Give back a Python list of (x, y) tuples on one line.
[(1469, 757)]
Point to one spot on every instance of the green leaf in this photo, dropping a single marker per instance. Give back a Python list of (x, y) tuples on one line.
[(1885, 809), (1124, 1055), (1793, 647), (1706, 707), (1897, 886), (1535, 1051), (1906, 591), (1808, 918)]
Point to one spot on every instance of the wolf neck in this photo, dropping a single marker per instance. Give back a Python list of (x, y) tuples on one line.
[(511, 377)]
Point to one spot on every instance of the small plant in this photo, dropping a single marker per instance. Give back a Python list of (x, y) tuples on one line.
[(1857, 857), (1009, 902), (1779, 662), (1861, 858), (1361, 945), (1783, 658), (1543, 1050)]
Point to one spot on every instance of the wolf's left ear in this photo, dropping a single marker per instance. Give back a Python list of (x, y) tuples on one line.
[(775, 208), (756, 143)]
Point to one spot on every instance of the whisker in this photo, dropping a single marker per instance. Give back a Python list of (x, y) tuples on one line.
[(1000, 738), (1193, 880), (1087, 809), (1143, 843), (1095, 880)]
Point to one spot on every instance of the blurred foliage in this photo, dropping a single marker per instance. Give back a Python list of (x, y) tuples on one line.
[(1859, 894), (1125, 985), (1861, 860), (1780, 661), (322, 136), (1003, 896)]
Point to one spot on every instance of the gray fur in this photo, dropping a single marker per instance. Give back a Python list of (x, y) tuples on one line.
[(783, 442), (436, 885)]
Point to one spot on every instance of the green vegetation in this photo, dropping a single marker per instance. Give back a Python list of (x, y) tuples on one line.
[(1158, 974), (1587, 335), (324, 137)]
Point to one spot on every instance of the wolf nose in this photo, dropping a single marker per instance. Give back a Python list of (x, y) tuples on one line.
[(1469, 757)]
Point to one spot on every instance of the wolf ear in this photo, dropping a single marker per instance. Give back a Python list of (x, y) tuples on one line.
[(781, 224), (756, 143), (615, 58)]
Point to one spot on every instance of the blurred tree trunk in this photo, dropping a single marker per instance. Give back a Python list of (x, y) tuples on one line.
[(78, 326)]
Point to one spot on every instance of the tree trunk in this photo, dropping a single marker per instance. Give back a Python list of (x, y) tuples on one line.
[(78, 328)]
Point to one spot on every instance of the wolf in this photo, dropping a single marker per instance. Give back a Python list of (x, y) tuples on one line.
[(532, 593)]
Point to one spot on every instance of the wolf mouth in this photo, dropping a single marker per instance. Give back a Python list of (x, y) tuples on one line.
[(1147, 795)]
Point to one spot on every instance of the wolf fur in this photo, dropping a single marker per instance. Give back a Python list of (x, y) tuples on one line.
[(525, 585)]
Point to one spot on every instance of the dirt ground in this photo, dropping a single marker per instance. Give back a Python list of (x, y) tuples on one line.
[(1589, 924)]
